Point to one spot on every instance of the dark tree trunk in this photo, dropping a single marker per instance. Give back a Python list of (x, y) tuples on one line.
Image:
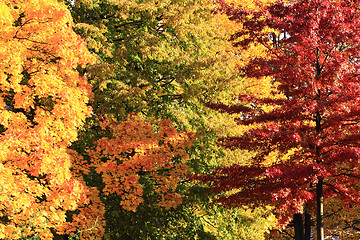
[(320, 210), (302, 229), (307, 226), (298, 226)]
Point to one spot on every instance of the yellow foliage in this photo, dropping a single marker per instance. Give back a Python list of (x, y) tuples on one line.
[(43, 101), (237, 223)]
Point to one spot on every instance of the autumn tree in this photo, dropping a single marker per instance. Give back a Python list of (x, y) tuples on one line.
[(138, 157), (43, 102), (157, 59), (306, 139), (160, 60), (153, 53)]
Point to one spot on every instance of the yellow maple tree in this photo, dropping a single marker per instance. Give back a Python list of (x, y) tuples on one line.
[(43, 102)]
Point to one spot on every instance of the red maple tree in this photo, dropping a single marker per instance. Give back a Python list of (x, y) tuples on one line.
[(313, 130)]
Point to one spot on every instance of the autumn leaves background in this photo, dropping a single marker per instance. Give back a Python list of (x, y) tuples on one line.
[(106, 110), (98, 126)]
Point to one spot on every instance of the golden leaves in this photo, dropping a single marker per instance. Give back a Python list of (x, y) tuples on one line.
[(6, 18), (43, 101)]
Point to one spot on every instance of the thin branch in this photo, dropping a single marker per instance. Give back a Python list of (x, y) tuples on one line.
[(347, 175), (20, 38)]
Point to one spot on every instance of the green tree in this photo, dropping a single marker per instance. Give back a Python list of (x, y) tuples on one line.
[(159, 60)]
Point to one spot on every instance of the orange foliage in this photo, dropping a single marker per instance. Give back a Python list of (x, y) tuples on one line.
[(88, 222), (43, 101), (134, 149)]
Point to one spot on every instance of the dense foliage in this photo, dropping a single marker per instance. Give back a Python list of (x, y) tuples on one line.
[(306, 141), (108, 107), (43, 102), (156, 60)]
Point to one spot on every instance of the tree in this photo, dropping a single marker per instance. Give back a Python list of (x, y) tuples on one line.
[(136, 157), (306, 142), (155, 152), (153, 54), (159, 60), (43, 102)]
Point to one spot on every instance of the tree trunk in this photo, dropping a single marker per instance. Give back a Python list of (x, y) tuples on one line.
[(307, 226), (298, 226), (320, 210)]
